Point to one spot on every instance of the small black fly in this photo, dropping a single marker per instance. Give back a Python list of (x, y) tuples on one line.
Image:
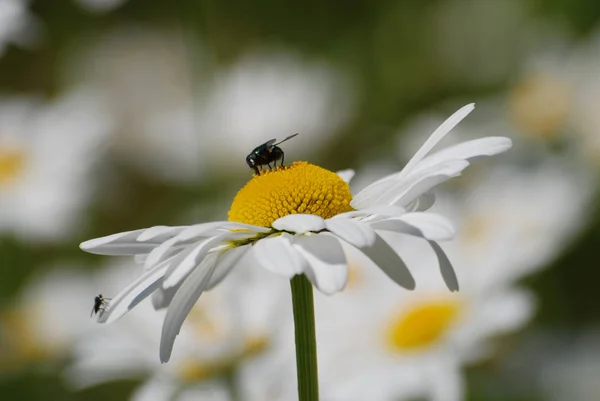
[(100, 304), (266, 154)]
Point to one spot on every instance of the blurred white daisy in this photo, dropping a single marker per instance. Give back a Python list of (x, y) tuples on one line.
[(219, 347), (51, 313), (260, 97), (295, 220), (47, 151), (556, 96), (16, 24), (179, 117), (546, 206), (380, 343)]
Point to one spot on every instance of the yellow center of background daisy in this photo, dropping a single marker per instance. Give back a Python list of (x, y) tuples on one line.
[(12, 163), (299, 188), (422, 324)]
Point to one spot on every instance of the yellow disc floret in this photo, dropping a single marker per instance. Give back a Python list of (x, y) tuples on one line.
[(299, 188)]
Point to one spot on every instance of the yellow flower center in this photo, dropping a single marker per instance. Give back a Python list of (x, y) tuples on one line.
[(12, 162), (422, 324), (299, 188)]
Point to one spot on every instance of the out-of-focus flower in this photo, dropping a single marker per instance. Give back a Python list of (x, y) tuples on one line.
[(516, 220), (179, 116), (16, 24), (557, 94), (47, 152), (100, 6), (541, 103), (146, 78), (380, 343), (224, 336), (50, 314), (296, 220), (271, 95)]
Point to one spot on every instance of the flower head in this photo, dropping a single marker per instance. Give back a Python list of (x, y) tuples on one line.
[(301, 219), (42, 194)]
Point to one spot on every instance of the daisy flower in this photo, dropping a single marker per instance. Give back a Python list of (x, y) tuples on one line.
[(410, 345), (546, 215), (47, 154), (296, 220)]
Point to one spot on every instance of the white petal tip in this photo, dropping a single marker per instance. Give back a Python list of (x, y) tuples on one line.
[(299, 223), (346, 175)]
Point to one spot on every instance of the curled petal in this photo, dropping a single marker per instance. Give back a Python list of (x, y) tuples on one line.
[(346, 175), (299, 223), (354, 232), (277, 255), (326, 261)]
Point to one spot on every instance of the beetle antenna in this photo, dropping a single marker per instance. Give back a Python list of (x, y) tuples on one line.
[(289, 137)]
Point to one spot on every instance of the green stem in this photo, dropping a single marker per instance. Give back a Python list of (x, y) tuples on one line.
[(306, 343)]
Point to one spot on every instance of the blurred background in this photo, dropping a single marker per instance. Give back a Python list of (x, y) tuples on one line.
[(124, 114)]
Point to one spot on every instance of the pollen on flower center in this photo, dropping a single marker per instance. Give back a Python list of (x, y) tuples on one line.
[(12, 163), (299, 188), (422, 325)]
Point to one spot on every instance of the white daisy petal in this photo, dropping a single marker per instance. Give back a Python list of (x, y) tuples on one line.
[(353, 232), (437, 136), (379, 210), (215, 228), (326, 268), (406, 192), (448, 273), (118, 244), (194, 233), (182, 303), (369, 195), (389, 261), (427, 225), (191, 259), (469, 151), (159, 233), (227, 261), (299, 223), (134, 293), (346, 175), (277, 255), (161, 252)]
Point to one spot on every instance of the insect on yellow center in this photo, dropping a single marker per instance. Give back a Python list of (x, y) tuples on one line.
[(12, 163), (299, 188), (422, 324)]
